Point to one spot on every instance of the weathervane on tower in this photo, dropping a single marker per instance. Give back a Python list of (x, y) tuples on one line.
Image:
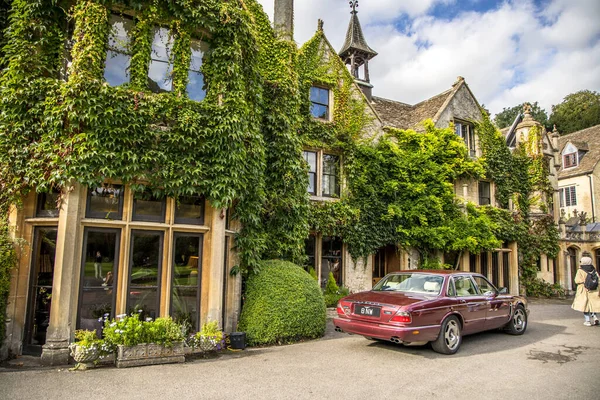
[(353, 5)]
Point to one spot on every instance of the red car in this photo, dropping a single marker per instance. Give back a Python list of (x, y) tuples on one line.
[(420, 306)]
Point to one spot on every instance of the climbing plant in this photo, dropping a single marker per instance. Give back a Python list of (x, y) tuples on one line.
[(521, 175), (226, 147)]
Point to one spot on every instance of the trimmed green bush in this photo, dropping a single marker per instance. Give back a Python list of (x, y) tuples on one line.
[(283, 304), (333, 293)]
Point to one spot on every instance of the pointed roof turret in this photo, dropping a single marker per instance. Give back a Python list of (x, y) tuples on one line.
[(355, 40)]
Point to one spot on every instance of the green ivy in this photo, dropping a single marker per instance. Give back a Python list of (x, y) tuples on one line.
[(520, 175)]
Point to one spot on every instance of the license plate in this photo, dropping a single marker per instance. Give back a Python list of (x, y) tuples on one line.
[(369, 311)]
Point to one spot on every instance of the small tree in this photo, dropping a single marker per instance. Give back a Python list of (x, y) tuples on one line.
[(506, 117), (578, 111)]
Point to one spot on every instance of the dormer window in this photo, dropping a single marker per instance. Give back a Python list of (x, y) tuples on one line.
[(570, 155), (319, 98), (570, 160)]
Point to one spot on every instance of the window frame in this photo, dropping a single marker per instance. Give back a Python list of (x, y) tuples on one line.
[(570, 160), (200, 237), (109, 48), (466, 131), (335, 175), (96, 214), (170, 64), (148, 218), (481, 198), (41, 200), (312, 173), (327, 106), (196, 71), (570, 199), (190, 221)]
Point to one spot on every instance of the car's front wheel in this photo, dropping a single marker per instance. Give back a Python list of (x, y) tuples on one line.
[(518, 323), (450, 337)]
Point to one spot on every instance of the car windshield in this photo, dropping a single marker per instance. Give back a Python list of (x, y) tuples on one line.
[(411, 283)]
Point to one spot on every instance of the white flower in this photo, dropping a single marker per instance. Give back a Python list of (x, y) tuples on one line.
[(148, 319)]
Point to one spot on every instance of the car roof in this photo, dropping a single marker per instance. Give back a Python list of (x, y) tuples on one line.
[(435, 272)]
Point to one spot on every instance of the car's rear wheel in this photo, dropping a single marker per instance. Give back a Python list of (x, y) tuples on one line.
[(518, 323), (450, 337)]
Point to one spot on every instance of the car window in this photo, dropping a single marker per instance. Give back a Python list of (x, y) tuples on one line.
[(464, 286), (485, 287), (451, 290), (411, 283)]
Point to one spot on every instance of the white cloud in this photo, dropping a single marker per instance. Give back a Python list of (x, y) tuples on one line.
[(514, 53)]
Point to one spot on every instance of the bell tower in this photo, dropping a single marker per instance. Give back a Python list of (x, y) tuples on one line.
[(356, 52)]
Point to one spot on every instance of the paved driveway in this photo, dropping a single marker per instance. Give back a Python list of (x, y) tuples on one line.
[(557, 358)]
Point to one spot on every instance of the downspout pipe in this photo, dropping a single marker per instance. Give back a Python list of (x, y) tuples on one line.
[(592, 197)]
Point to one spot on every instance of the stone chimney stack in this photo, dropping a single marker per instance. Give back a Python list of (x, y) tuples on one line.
[(283, 20)]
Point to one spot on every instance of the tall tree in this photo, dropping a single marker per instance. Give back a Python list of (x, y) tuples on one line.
[(507, 115), (578, 111)]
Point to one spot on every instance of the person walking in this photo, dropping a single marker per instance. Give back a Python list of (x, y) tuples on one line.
[(587, 299)]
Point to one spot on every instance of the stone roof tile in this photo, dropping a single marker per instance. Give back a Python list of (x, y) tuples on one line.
[(585, 139)]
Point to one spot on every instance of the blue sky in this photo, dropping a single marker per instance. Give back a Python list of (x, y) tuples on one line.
[(508, 51)]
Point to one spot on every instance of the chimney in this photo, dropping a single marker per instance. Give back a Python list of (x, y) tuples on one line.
[(283, 20)]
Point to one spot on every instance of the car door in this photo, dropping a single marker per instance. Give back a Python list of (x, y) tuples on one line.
[(498, 306), (471, 304)]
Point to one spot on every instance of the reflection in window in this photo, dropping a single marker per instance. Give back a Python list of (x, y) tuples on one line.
[(187, 268), (118, 55), (98, 277), (195, 86), (311, 159), (147, 207), (47, 204), (331, 186), (160, 72), (319, 98), (144, 274), (105, 202), (467, 133), (484, 193), (189, 210), (310, 247), (331, 260)]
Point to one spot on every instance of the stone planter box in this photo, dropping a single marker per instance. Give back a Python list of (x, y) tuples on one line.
[(149, 354)]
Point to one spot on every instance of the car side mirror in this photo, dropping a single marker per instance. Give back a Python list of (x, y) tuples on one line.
[(503, 290)]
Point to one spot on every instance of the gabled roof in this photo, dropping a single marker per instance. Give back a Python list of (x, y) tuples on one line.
[(404, 116), (587, 140), (355, 40)]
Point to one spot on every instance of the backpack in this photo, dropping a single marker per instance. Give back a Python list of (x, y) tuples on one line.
[(591, 281)]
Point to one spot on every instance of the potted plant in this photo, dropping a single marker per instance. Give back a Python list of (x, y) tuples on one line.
[(210, 338), (86, 349), (148, 342)]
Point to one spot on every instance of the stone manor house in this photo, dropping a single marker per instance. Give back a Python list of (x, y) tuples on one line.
[(107, 249)]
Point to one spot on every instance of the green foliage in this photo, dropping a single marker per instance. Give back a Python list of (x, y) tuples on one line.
[(506, 117), (536, 287), (577, 111), (333, 293), (523, 176), (8, 261), (210, 337), (86, 338), (283, 304), (129, 330), (313, 274), (239, 144)]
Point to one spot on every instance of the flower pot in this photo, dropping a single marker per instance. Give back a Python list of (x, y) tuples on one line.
[(149, 354), (84, 356)]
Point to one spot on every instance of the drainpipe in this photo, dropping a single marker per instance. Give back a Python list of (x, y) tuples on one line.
[(592, 197)]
